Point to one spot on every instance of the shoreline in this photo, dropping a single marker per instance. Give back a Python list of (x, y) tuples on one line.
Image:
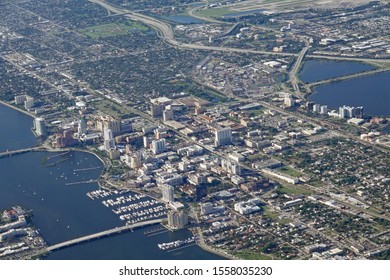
[(203, 247), (17, 109)]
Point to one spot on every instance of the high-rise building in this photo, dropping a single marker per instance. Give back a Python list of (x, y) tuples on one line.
[(147, 141), (167, 193), (29, 103), (158, 105), (358, 112), (289, 101), (309, 106), (231, 167), (316, 108), (114, 125), (126, 126), (114, 154), (324, 110), (206, 208), (108, 122), (82, 127), (39, 126), (167, 115), (136, 161), (109, 142), (158, 146), (177, 219), (343, 113), (223, 137), (350, 112), (156, 110), (19, 99)]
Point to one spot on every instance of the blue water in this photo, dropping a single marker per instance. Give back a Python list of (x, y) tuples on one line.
[(63, 212), (15, 130), (182, 19), (317, 70), (372, 92)]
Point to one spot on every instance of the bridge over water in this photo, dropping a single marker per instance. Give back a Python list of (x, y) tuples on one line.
[(20, 151), (347, 77), (102, 234)]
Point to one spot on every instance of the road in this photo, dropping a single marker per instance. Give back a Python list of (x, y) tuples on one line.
[(102, 234), (347, 77), (164, 30), (293, 75)]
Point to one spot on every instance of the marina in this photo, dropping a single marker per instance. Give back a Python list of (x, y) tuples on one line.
[(130, 207), (63, 213), (177, 244)]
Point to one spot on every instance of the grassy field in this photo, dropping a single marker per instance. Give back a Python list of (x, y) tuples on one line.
[(247, 7), (255, 156), (290, 171), (111, 29), (110, 108), (295, 190), (216, 12), (269, 214)]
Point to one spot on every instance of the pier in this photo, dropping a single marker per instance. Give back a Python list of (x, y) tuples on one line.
[(58, 155), (101, 234), (87, 169), (81, 182)]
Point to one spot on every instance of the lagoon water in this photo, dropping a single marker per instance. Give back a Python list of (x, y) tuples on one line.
[(317, 70), (62, 212), (182, 19), (15, 130), (371, 91)]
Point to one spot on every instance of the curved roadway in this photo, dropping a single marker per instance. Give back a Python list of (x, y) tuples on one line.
[(164, 30)]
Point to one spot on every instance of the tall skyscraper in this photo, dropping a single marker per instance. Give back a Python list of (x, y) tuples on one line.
[(82, 127), (158, 146), (223, 137), (19, 99), (350, 112), (324, 110), (316, 108), (39, 126), (289, 101), (167, 193), (109, 142), (29, 103)]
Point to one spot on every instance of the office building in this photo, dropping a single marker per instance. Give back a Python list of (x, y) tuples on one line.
[(109, 142), (126, 126), (206, 208), (167, 115), (167, 193), (158, 146), (223, 137), (108, 122), (82, 127), (158, 105), (289, 101)]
